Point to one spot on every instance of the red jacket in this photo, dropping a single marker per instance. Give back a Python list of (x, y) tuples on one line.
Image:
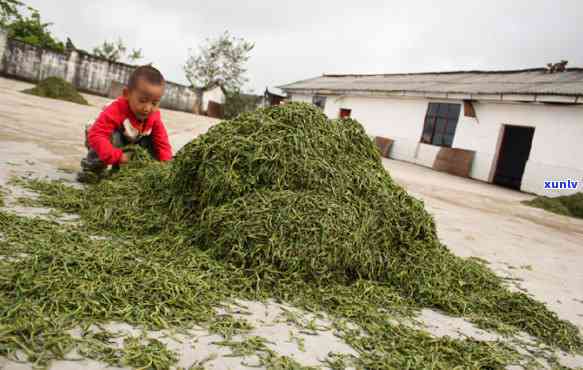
[(112, 117)]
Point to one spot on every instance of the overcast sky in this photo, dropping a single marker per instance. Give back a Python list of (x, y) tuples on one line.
[(305, 38)]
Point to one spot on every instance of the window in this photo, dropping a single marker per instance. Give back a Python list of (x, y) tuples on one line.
[(319, 101), (440, 124), (345, 113)]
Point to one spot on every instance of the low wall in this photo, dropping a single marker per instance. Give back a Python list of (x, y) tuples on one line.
[(384, 144), (86, 72)]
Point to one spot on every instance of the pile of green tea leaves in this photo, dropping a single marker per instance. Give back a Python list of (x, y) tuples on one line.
[(281, 204), (566, 205), (57, 88), (2, 196)]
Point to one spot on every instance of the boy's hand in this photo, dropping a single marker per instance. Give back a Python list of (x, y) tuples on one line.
[(124, 159)]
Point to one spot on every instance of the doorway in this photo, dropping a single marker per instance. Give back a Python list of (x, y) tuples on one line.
[(513, 154)]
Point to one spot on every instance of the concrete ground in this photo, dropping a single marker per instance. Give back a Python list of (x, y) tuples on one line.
[(41, 137), (542, 249)]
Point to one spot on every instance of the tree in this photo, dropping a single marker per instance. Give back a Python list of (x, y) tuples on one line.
[(8, 10), (116, 51), (219, 61), (135, 55), (32, 30)]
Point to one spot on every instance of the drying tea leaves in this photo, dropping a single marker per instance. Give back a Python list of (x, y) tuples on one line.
[(146, 354), (227, 326), (267, 358), (57, 88), (286, 190), (137, 352), (2, 196), (280, 204), (566, 205), (137, 154)]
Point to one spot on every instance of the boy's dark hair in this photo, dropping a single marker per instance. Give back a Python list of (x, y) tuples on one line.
[(147, 72)]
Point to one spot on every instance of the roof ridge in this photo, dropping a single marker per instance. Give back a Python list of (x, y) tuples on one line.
[(299, 81), (509, 71)]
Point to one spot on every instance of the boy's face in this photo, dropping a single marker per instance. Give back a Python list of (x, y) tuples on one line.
[(144, 98)]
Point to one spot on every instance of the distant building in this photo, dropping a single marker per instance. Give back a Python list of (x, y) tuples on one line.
[(211, 100), (518, 129), (273, 96)]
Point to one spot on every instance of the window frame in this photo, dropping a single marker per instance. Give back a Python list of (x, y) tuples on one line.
[(319, 99), (433, 118)]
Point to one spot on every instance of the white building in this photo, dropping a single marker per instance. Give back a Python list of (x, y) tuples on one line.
[(214, 94), (515, 128)]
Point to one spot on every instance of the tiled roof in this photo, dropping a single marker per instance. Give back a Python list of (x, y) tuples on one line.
[(519, 82)]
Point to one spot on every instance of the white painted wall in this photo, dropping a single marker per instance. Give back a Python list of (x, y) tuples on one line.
[(556, 146), (396, 119), (3, 41), (426, 154), (215, 94), (302, 98), (556, 152)]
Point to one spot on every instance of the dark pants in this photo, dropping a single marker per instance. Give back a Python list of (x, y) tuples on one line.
[(92, 163)]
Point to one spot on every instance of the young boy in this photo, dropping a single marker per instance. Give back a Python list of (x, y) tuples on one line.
[(133, 118)]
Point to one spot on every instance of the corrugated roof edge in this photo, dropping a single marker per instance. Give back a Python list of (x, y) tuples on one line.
[(510, 71), (299, 81), (290, 87), (574, 69), (452, 92)]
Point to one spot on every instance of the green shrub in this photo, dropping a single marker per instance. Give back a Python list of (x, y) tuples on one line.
[(31, 30)]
